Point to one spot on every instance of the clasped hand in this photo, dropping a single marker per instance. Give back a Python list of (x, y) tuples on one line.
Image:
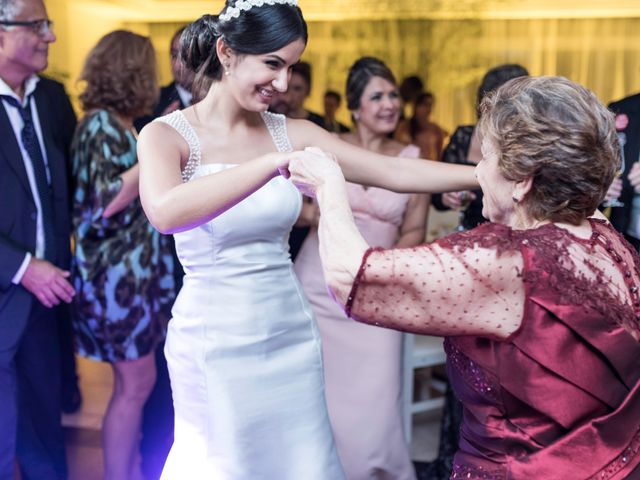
[(310, 169), (48, 283)]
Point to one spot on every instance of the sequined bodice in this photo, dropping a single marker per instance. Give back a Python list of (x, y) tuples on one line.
[(251, 234), (276, 124)]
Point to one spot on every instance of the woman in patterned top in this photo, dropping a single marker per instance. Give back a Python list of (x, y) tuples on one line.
[(540, 306), (122, 265)]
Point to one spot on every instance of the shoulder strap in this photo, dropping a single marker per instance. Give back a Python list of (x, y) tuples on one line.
[(179, 122), (277, 126)]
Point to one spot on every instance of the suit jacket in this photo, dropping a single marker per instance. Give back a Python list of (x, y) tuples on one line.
[(629, 106), (18, 212), (168, 94)]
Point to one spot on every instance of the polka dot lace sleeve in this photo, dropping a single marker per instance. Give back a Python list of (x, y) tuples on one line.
[(470, 284)]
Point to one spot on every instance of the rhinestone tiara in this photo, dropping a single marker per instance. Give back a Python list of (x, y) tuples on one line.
[(246, 5)]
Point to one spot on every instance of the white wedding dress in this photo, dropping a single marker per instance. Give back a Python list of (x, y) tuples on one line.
[(243, 349)]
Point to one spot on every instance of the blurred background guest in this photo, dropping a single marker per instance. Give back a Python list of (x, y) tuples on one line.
[(623, 200), (363, 363), (122, 266), (291, 103), (157, 421), (332, 101), (177, 94), (410, 87), (421, 130), (463, 148)]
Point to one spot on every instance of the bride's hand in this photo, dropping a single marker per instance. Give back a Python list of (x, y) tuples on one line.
[(312, 168)]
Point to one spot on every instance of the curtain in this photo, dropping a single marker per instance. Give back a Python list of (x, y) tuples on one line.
[(451, 56)]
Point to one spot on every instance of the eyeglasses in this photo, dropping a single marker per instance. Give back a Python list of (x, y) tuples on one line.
[(40, 27)]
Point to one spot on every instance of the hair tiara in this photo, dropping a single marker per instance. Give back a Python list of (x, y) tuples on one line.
[(246, 5)]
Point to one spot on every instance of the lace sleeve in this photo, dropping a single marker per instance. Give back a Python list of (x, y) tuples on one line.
[(465, 284)]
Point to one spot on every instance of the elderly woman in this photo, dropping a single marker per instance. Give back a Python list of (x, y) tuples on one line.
[(539, 307)]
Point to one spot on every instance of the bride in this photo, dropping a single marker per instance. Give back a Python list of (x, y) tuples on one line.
[(243, 349)]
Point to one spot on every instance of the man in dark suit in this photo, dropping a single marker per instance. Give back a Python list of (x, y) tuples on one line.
[(35, 119), (625, 217), (157, 422), (177, 94)]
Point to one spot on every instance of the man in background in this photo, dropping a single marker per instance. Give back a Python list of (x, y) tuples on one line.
[(332, 102), (622, 199), (157, 422), (177, 94)]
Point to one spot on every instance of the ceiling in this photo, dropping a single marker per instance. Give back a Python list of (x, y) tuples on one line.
[(335, 10)]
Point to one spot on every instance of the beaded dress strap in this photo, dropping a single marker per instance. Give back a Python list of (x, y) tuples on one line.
[(277, 126), (180, 123)]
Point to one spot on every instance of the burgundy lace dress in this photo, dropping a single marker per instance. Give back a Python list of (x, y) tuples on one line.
[(560, 397)]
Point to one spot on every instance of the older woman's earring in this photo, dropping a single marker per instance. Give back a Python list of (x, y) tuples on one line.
[(515, 200), (356, 117)]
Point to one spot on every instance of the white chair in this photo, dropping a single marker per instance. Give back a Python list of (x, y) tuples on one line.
[(420, 351)]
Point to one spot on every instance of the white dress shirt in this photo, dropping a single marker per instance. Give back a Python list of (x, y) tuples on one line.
[(184, 94)]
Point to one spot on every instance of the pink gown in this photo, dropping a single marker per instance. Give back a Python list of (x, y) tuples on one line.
[(559, 398), (362, 364)]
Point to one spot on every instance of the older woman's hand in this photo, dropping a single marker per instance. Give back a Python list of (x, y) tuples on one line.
[(312, 168)]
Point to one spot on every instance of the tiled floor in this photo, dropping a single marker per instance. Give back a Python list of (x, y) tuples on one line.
[(84, 450)]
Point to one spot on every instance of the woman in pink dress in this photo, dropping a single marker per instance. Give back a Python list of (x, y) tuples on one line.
[(362, 362), (540, 307)]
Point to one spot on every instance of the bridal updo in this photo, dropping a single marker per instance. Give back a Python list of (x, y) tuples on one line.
[(256, 31)]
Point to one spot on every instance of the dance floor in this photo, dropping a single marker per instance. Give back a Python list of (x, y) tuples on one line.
[(84, 450)]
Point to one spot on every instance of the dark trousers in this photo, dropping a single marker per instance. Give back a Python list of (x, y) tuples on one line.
[(158, 415), (633, 241), (69, 374), (30, 426)]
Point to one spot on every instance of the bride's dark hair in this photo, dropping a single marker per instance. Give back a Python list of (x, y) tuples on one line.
[(256, 31)]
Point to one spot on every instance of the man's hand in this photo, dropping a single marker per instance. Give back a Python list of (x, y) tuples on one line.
[(47, 282), (456, 200), (172, 107), (634, 177), (615, 189)]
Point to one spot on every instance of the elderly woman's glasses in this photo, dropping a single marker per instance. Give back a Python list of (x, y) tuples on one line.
[(40, 27)]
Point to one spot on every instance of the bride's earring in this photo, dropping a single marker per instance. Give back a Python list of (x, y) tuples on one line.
[(226, 69)]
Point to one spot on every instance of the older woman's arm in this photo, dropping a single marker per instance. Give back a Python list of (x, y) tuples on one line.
[(438, 289)]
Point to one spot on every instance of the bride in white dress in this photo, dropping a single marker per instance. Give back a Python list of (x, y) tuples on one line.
[(243, 349)]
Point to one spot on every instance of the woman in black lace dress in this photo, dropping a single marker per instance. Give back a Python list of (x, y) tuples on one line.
[(464, 149)]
